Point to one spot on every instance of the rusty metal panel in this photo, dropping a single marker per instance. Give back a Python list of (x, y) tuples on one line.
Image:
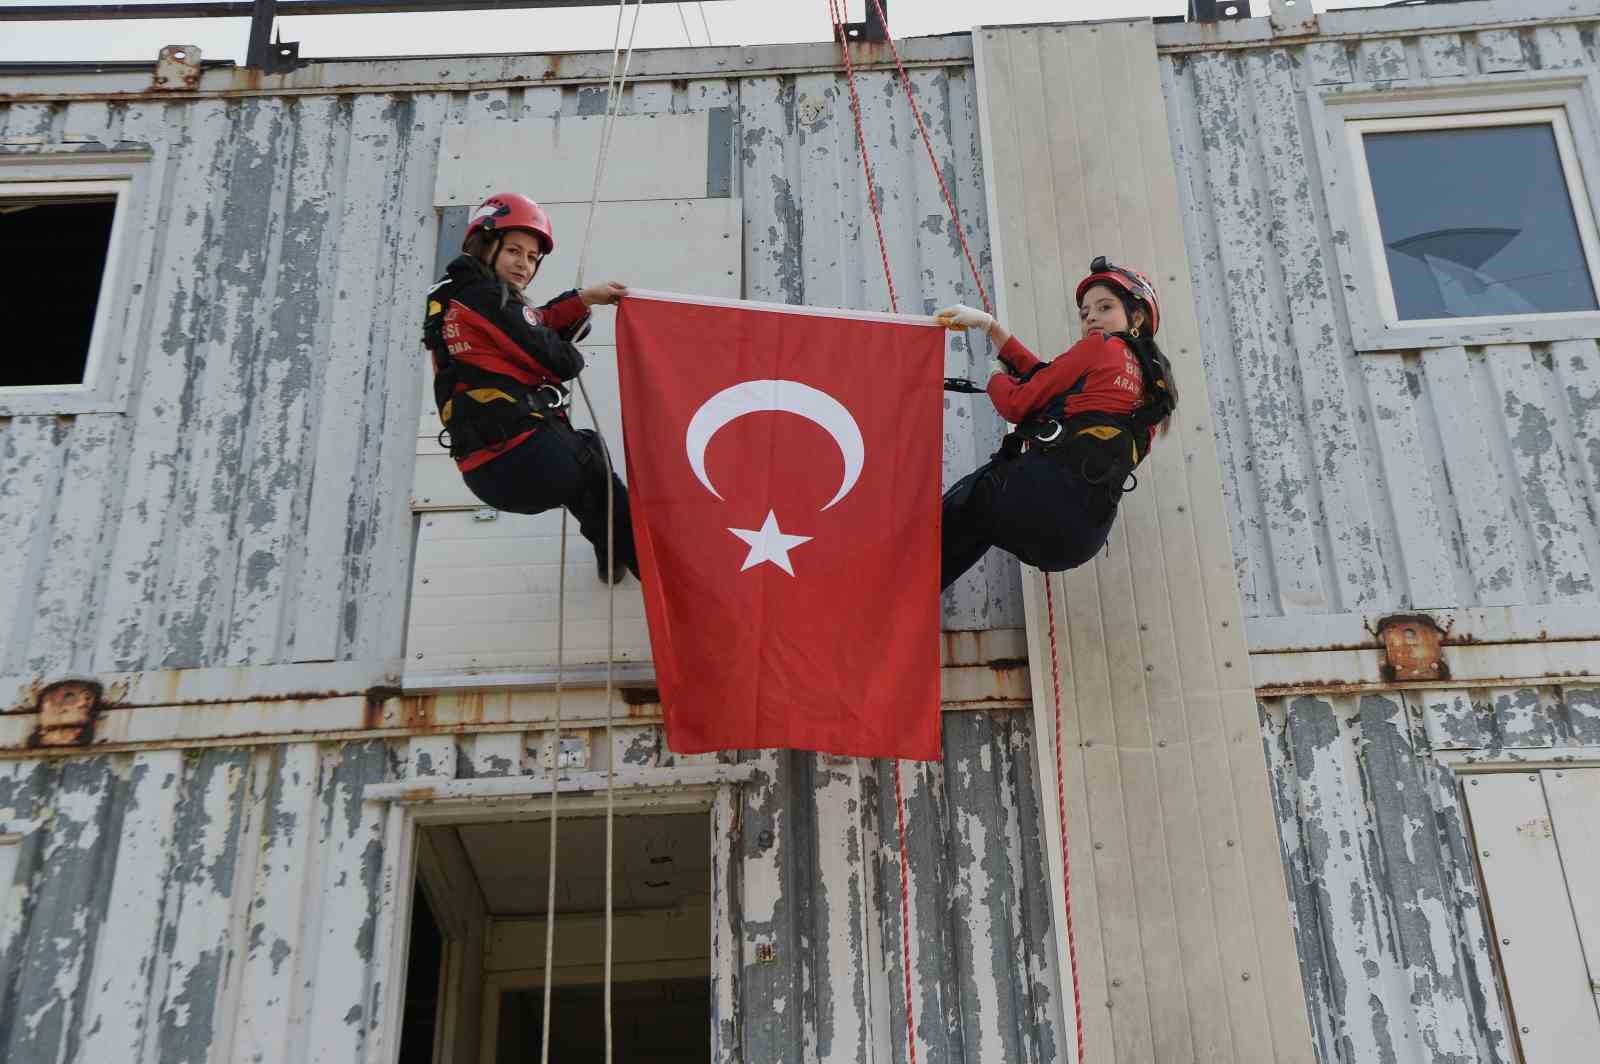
[(1443, 477), (224, 903)]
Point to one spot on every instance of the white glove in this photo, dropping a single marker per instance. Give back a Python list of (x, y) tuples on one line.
[(962, 316)]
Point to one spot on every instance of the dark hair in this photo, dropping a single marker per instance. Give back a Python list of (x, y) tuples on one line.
[(482, 244)]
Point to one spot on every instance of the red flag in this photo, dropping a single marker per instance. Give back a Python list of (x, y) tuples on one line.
[(783, 473)]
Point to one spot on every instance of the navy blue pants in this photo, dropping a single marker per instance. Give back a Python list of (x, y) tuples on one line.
[(560, 466), (1031, 505)]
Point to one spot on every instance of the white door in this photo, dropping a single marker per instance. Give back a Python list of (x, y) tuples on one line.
[(1538, 841)]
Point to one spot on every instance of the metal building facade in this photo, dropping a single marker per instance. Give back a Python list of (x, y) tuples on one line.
[(1452, 480), (228, 555)]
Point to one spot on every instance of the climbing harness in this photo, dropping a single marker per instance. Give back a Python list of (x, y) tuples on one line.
[(960, 385)]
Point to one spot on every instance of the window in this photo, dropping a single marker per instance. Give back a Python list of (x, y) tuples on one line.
[(55, 254), (1468, 211), (1476, 216), (62, 272)]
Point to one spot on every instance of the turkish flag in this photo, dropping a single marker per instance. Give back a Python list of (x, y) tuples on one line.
[(783, 475)]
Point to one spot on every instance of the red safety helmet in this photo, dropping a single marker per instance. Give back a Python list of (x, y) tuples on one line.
[(1136, 284), (512, 210)]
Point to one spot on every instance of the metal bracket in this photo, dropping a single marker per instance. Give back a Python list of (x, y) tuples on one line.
[(265, 54), (1218, 10), (177, 69), (1412, 648), (1293, 18), (871, 30)]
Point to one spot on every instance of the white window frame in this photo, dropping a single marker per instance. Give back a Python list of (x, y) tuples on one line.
[(107, 365), (1567, 104)]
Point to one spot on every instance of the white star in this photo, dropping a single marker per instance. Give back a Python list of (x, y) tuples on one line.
[(769, 544)]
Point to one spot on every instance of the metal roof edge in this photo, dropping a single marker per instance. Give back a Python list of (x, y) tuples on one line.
[(461, 73), (1371, 22)]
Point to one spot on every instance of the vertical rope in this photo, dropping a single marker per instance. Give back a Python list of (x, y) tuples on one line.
[(835, 13), (614, 89), (861, 140), (611, 647), (905, 914), (555, 791), (1061, 810), (949, 201)]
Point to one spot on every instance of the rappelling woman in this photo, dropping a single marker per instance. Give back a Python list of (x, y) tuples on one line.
[(500, 371), (1083, 421)]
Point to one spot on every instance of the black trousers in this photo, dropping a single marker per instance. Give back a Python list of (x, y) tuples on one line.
[(560, 466), (1031, 505)]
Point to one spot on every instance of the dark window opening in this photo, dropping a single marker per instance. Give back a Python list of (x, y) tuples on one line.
[(54, 255), (419, 1026), (662, 1021)]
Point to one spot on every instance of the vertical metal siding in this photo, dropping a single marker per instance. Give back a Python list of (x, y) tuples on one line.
[(1442, 477), (1439, 477), (222, 904), (251, 506)]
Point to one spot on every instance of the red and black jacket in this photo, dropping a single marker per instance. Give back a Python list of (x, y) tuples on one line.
[(1089, 406), (498, 363)]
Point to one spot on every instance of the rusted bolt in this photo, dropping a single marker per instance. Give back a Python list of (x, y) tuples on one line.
[(1227, 664), (766, 953), (1144, 628), (1161, 742), (1232, 843), (1224, 624), (419, 655), (1505, 942), (1474, 783), (1088, 743), (1486, 853), (1180, 509), (1524, 1030), (1116, 982), (1245, 977), (1149, 668), (1534, 779), (1099, 845)]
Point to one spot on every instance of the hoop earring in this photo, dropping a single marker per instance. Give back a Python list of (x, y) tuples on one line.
[(1134, 332)]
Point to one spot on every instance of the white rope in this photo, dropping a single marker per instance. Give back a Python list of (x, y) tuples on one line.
[(704, 22), (611, 655), (614, 89), (555, 775), (685, 20)]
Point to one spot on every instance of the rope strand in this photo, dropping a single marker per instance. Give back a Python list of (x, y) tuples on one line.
[(905, 914), (861, 140), (555, 790), (1061, 810), (949, 201)]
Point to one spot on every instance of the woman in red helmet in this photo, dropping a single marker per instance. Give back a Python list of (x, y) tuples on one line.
[(1084, 421), (499, 365)]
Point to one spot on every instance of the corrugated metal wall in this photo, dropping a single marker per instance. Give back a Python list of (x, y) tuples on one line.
[(1395, 935), (222, 904), (251, 505), (1363, 484), (1439, 477)]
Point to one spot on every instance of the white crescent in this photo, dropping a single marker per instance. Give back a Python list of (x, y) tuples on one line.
[(792, 397)]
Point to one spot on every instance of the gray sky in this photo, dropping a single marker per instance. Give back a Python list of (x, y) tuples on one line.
[(563, 30)]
